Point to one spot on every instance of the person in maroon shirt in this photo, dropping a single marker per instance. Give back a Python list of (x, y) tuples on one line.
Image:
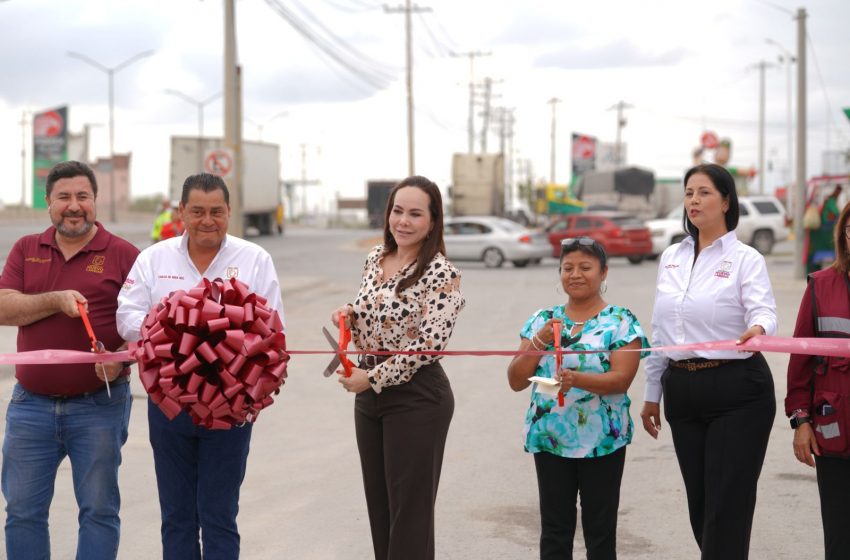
[(59, 410)]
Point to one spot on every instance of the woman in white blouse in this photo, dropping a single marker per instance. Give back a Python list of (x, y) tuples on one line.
[(408, 302), (720, 404)]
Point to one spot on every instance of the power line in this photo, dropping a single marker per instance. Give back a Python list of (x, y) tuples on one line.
[(378, 67), (376, 76), (446, 50), (823, 89), (359, 8)]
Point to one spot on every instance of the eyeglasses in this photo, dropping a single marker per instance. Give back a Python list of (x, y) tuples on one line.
[(570, 241)]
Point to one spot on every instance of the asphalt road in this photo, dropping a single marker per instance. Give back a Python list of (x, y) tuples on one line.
[(303, 499)]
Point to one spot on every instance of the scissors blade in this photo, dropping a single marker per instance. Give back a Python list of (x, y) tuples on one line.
[(332, 367)]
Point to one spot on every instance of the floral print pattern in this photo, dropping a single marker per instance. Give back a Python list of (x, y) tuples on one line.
[(588, 425)]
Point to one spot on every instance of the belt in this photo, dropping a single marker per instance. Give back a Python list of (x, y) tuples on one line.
[(695, 364), (368, 361), (118, 381)]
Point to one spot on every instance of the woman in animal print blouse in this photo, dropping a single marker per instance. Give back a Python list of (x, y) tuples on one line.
[(408, 301)]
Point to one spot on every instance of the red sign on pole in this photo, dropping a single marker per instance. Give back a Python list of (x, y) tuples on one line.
[(709, 140), (219, 162)]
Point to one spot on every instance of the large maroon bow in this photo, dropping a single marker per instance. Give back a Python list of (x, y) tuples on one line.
[(216, 351)]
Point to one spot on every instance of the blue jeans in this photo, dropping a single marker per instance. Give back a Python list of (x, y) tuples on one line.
[(198, 475), (40, 432)]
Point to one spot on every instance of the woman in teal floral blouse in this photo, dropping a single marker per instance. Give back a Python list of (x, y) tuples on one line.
[(580, 447)]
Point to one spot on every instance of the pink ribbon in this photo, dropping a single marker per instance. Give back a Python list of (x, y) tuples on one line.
[(839, 347)]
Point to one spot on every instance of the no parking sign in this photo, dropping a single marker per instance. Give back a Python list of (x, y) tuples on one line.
[(219, 162)]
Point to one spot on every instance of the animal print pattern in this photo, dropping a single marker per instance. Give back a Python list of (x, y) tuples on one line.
[(422, 317)]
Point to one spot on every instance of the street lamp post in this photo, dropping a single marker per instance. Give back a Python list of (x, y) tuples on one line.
[(200, 104), (110, 72), (261, 125)]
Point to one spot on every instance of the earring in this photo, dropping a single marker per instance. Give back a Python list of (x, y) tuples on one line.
[(603, 287)]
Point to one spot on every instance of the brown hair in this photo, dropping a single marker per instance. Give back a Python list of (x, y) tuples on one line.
[(842, 258), (433, 242)]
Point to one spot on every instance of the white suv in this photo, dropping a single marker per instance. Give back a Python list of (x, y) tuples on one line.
[(761, 224)]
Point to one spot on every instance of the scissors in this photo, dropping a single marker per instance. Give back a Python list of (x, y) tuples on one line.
[(559, 355), (340, 347), (96, 345)]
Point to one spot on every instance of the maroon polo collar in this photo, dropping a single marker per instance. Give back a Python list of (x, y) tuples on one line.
[(96, 243)]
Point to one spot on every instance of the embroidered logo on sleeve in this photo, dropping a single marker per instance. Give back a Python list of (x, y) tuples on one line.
[(96, 264), (232, 272), (724, 269), (128, 283)]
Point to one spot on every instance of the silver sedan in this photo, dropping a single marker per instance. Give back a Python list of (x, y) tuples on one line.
[(494, 240)]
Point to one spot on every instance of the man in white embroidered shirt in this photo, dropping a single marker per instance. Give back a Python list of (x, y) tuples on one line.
[(198, 471)]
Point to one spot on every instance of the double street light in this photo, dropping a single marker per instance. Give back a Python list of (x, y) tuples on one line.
[(261, 125), (199, 103), (110, 72)]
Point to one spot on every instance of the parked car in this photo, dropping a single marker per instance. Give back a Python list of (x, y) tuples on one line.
[(622, 235), (493, 240), (762, 223)]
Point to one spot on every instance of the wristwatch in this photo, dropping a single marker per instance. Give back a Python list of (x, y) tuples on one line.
[(800, 417)]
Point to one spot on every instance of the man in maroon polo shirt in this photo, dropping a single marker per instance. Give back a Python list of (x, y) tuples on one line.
[(59, 410)]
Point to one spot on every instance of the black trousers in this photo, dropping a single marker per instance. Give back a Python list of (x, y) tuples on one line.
[(721, 419), (401, 435), (834, 488), (597, 482)]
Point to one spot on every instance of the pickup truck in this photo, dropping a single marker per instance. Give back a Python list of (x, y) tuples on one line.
[(761, 225)]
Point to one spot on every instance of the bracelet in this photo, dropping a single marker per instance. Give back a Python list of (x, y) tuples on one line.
[(534, 338), (533, 345)]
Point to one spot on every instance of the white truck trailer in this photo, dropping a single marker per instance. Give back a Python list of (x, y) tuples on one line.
[(260, 175)]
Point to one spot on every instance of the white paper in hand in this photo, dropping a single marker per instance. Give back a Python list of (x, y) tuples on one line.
[(546, 385)]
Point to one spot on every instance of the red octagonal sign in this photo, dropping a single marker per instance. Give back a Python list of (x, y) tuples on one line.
[(709, 140)]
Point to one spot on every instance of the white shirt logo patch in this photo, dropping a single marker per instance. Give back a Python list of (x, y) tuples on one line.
[(723, 269), (232, 272)]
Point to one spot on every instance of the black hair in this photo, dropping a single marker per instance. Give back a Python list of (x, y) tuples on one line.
[(595, 250), (206, 182), (69, 170), (725, 184)]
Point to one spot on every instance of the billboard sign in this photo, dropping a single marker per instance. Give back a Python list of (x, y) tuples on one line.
[(584, 154), (50, 146)]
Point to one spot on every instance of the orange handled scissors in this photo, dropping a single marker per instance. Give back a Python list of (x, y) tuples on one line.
[(341, 348), (559, 356), (96, 345)]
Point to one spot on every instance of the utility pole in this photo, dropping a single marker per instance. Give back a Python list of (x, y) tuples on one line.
[(621, 122), (553, 102), (470, 125), (232, 118), (408, 9), (485, 121), (23, 122), (800, 191), (506, 134), (303, 182), (762, 66)]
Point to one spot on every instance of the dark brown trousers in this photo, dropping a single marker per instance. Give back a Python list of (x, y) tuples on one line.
[(401, 435)]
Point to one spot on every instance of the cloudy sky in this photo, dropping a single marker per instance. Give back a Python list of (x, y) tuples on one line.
[(684, 67)]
